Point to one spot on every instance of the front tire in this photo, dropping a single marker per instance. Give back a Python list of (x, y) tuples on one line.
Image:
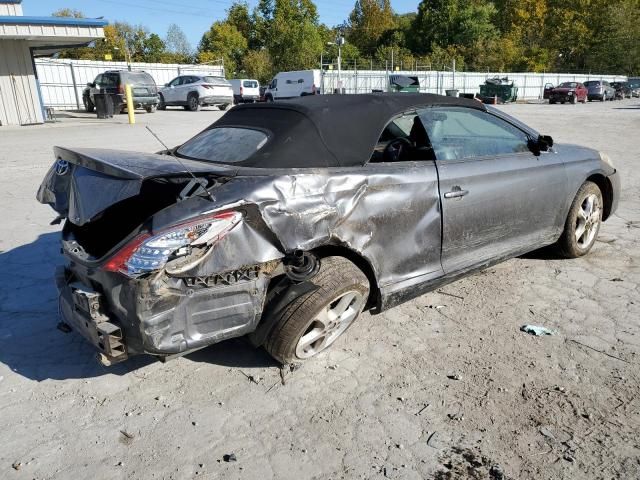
[(161, 104), (315, 320), (223, 107), (583, 222), (151, 108)]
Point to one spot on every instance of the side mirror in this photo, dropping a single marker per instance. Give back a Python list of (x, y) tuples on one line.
[(91, 84), (542, 144), (166, 84)]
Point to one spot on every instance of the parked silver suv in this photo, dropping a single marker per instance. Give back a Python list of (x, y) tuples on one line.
[(194, 91)]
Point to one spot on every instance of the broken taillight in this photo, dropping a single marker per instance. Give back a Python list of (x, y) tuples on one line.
[(146, 252)]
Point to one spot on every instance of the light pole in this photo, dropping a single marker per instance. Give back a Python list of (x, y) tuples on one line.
[(127, 56), (340, 41)]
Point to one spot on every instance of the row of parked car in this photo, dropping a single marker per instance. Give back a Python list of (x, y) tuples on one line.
[(602, 90), (194, 91), (188, 91)]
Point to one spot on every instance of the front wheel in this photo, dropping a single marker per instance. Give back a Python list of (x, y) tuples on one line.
[(583, 222), (150, 108), (315, 320), (223, 107), (161, 104)]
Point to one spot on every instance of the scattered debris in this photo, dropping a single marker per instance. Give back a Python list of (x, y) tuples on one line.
[(617, 279), (569, 458), (421, 410), (599, 351), (545, 432), (536, 330), (251, 378), (450, 294), (230, 457), (195, 424), (496, 473), (333, 367), (455, 416), (430, 438), (454, 377), (16, 465)]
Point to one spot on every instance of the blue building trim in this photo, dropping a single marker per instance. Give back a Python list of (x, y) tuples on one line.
[(11, 1), (61, 21)]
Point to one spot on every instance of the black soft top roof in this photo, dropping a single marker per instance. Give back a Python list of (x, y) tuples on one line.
[(326, 130)]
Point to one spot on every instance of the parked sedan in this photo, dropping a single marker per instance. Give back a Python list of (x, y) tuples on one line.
[(286, 221), (623, 90), (194, 91), (572, 92), (599, 90)]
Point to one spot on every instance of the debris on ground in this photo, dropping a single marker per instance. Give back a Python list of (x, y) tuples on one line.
[(16, 465), (230, 457), (454, 377), (536, 330)]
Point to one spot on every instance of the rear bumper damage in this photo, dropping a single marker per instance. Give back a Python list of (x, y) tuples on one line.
[(160, 315)]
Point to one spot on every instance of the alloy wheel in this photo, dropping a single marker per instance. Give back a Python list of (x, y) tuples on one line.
[(588, 221), (330, 323)]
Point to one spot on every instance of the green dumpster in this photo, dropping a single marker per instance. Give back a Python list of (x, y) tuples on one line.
[(402, 83), (504, 89)]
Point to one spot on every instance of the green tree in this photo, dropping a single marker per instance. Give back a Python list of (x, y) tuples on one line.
[(68, 12), (289, 30), (368, 22), (225, 41), (154, 49), (445, 23), (257, 64)]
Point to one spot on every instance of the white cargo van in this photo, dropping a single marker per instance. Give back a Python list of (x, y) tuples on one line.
[(245, 90), (294, 84)]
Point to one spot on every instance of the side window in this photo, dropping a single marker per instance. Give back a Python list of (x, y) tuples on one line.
[(274, 83), (175, 82), (98, 80), (457, 132), (109, 80), (403, 139)]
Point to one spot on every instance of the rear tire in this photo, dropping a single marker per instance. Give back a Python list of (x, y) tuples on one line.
[(315, 320), (574, 100), (223, 107), (161, 104), (151, 108), (193, 103), (583, 222)]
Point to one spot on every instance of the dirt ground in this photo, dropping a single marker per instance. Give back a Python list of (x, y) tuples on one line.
[(443, 387)]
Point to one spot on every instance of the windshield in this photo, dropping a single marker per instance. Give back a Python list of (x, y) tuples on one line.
[(224, 144), (634, 83), (568, 85)]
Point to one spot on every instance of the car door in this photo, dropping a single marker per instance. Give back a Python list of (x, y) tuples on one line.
[(402, 231), (170, 93), (498, 198)]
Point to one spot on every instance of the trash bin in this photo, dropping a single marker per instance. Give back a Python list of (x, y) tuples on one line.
[(402, 83), (451, 93), (104, 105)]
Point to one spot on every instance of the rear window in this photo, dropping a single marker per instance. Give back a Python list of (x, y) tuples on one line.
[(224, 144), (250, 84), (138, 78), (591, 83), (216, 80)]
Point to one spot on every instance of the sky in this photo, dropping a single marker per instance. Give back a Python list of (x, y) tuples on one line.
[(193, 16)]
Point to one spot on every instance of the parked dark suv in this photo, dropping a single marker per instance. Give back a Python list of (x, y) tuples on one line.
[(143, 90)]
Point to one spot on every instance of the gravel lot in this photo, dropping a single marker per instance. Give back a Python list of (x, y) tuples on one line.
[(442, 387)]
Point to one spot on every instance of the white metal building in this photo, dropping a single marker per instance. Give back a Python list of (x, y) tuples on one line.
[(21, 39)]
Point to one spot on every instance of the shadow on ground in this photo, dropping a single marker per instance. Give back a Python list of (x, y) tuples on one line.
[(31, 344)]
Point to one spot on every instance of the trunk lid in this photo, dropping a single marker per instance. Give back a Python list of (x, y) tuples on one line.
[(82, 183)]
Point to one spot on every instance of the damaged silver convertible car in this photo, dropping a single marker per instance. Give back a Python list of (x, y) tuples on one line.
[(285, 221)]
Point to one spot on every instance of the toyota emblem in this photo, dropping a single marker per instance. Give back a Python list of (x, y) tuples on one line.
[(62, 167)]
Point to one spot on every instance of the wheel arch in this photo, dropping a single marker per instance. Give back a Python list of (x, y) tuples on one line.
[(374, 302), (604, 184)]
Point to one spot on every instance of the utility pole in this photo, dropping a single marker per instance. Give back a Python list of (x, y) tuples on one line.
[(340, 41)]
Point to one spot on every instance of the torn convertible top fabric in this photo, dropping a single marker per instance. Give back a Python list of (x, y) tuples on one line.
[(326, 130)]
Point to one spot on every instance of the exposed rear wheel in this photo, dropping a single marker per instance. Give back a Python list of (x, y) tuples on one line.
[(193, 104), (315, 320), (583, 222)]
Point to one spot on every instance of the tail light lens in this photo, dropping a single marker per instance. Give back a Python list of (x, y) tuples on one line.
[(207, 86), (147, 253)]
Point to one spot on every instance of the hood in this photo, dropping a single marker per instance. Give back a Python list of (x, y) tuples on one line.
[(84, 182), (563, 89)]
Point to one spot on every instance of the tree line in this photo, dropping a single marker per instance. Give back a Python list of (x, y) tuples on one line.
[(599, 36)]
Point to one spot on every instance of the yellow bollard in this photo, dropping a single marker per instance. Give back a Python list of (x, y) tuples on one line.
[(130, 107)]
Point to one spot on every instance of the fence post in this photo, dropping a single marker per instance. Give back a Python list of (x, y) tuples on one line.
[(75, 85)]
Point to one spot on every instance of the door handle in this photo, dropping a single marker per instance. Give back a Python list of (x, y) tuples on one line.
[(456, 192)]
